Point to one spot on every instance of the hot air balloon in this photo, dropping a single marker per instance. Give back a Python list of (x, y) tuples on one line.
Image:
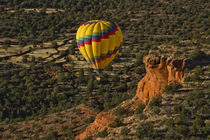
[(99, 42)]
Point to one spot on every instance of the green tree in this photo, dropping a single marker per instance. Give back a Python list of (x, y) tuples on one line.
[(120, 111), (52, 135), (124, 131), (81, 78), (116, 123), (140, 108), (146, 130), (103, 133), (198, 55), (156, 101), (198, 124), (197, 74), (87, 138), (90, 85), (72, 49), (173, 87)]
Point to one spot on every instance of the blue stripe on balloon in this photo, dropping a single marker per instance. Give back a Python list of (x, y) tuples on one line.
[(87, 39), (104, 32), (80, 42), (96, 36)]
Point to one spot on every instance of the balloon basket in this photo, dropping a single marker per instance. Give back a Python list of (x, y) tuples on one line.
[(98, 76)]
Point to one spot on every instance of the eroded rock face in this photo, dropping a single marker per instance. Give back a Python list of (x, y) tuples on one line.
[(102, 121), (160, 71)]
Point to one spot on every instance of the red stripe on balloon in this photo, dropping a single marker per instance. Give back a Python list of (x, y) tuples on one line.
[(96, 40), (104, 36), (115, 52), (88, 42), (81, 45), (111, 33), (104, 58)]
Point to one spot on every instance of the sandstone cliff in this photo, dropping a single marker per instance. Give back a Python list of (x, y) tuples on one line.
[(102, 121), (160, 71)]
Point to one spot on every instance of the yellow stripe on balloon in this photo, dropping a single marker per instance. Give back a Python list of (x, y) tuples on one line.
[(104, 41), (96, 44), (112, 42), (88, 47), (80, 35), (78, 31)]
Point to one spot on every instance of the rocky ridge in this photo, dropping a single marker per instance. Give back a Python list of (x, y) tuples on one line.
[(160, 71)]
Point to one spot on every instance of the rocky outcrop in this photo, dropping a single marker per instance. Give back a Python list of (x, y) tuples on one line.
[(160, 71), (102, 120)]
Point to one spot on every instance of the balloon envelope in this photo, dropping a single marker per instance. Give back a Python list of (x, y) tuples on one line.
[(99, 42)]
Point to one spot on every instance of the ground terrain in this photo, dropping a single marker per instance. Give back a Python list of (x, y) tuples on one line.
[(48, 91)]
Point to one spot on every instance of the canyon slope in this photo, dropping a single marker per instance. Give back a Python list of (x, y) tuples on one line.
[(160, 71)]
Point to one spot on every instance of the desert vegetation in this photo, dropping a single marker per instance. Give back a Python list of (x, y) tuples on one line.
[(44, 79)]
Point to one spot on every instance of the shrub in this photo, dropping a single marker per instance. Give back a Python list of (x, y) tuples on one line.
[(90, 120), (146, 130), (196, 75), (182, 129), (156, 101), (179, 120), (198, 124), (116, 78), (187, 79), (177, 108), (64, 128), (172, 88), (52, 135), (124, 131), (140, 132), (142, 117), (140, 108), (103, 133), (90, 86), (140, 70), (198, 54), (139, 58), (87, 138), (120, 111), (71, 50), (156, 110), (122, 87), (169, 123), (185, 113), (116, 123), (204, 109)]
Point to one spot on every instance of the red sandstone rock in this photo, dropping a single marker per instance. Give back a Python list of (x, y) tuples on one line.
[(160, 71), (102, 120)]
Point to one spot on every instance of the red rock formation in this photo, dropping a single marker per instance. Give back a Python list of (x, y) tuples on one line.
[(160, 71), (102, 120)]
